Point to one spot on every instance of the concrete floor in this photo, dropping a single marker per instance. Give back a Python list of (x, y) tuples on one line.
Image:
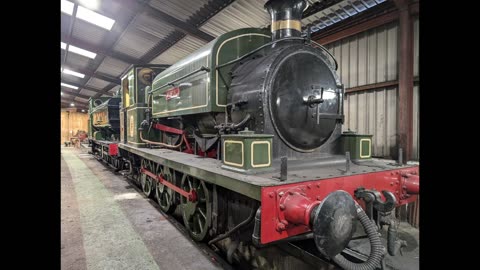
[(106, 224)]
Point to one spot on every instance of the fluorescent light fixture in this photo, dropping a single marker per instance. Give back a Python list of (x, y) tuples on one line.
[(72, 104), (67, 7), (95, 18), (68, 85), (91, 4), (83, 52), (63, 45), (74, 73), (83, 110)]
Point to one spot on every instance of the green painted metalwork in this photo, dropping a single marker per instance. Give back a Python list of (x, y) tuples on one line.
[(197, 215), (193, 85), (97, 136), (135, 85), (135, 116), (247, 152), (209, 172), (96, 107), (359, 145)]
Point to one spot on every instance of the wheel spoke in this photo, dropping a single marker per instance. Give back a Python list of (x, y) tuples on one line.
[(202, 213), (200, 227), (190, 185)]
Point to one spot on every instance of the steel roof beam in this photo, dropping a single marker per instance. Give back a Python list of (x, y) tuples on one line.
[(196, 20), (99, 50), (86, 87), (74, 101), (67, 105), (72, 92), (178, 24), (98, 75), (319, 6)]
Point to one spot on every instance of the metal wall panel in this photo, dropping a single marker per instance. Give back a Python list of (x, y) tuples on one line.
[(368, 57), (416, 31), (97, 83), (87, 31), (87, 92), (180, 9), (374, 112), (184, 47), (78, 60), (112, 66), (239, 14), (142, 35), (372, 57), (416, 123)]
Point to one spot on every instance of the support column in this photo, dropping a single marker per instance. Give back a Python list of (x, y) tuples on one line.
[(405, 81)]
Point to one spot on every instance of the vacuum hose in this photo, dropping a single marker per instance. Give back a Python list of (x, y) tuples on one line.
[(376, 247)]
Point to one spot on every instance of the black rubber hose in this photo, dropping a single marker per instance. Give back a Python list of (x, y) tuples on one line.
[(377, 250), (240, 225)]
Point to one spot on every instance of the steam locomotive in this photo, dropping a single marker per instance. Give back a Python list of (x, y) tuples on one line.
[(243, 139)]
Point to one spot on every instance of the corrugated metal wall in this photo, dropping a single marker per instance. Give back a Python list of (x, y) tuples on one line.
[(367, 58), (416, 93)]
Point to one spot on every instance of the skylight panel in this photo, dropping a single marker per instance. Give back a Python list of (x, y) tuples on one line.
[(67, 7), (83, 52), (68, 85), (94, 18), (74, 73)]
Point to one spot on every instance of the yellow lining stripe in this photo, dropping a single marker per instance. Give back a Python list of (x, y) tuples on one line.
[(232, 163), (369, 148), (216, 62), (269, 157), (207, 83), (286, 24)]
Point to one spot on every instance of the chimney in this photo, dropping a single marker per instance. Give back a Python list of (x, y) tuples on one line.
[(286, 17)]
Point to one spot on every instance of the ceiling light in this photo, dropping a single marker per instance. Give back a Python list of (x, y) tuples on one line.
[(61, 93), (91, 4), (68, 85), (72, 104), (74, 73), (83, 110), (67, 7), (63, 45), (83, 52), (94, 17)]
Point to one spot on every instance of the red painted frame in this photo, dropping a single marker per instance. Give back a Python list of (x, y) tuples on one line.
[(191, 196), (272, 215), (113, 149)]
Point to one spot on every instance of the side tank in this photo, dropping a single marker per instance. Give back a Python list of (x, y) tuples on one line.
[(105, 118), (194, 85)]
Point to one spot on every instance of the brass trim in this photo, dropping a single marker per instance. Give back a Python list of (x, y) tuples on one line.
[(216, 61), (286, 24)]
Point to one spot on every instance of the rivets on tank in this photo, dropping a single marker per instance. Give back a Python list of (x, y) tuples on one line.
[(271, 194), (282, 206)]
